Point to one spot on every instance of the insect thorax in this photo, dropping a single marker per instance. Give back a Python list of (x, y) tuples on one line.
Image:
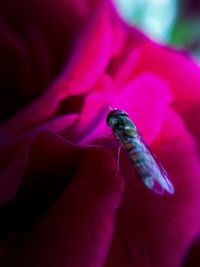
[(125, 128)]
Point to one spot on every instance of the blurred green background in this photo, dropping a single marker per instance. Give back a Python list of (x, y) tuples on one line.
[(175, 22)]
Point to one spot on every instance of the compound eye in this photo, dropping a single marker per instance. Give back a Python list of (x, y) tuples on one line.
[(114, 121)]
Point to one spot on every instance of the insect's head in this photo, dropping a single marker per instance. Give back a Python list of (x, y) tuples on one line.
[(113, 117), (120, 122)]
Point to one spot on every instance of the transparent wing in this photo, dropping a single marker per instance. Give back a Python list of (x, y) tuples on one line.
[(158, 180)]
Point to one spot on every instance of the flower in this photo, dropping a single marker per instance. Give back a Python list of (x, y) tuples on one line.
[(63, 64)]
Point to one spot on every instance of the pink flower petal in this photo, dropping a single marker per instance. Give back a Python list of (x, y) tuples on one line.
[(11, 175), (78, 229), (171, 67), (192, 256), (145, 98), (77, 78), (16, 153)]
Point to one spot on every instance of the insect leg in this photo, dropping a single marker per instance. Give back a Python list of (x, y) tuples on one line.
[(112, 179)]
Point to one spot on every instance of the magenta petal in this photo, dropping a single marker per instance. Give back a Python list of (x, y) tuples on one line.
[(146, 99), (172, 67), (192, 257), (10, 176), (90, 58), (78, 229)]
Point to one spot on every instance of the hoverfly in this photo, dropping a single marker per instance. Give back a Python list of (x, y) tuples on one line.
[(149, 170)]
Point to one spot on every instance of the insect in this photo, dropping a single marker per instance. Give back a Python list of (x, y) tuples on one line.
[(149, 170)]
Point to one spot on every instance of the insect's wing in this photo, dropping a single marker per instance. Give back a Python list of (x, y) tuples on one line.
[(158, 180), (165, 181)]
